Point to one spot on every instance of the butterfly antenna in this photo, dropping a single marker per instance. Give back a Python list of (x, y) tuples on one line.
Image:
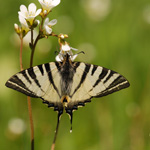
[(81, 52), (56, 131)]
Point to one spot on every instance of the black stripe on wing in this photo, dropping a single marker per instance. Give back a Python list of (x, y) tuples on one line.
[(33, 76), (85, 72), (41, 69), (48, 69), (119, 83), (94, 69), (101, 76), (26, 77), (76, 65), (15, 83), (109, 76), (58, 65)]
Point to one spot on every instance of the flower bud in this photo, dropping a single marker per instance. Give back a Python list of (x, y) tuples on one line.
[(62, 36), (35, 23), (17, 28)]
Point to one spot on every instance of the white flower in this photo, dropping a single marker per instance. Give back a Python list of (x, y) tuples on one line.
[(61, 55), (29, 14), (66, 47), (48, 4), (47, 26), (59, 58), (24, 25), (24, 29)]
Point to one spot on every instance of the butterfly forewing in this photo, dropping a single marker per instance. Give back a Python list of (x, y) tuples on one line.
[(16, 82), (39, 81)]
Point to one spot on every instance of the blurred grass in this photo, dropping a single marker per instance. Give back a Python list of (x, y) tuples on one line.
[(121, 42)]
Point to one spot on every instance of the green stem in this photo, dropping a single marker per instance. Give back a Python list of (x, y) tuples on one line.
[(31, 122), (21, 47), (30, 108), (33, 50)]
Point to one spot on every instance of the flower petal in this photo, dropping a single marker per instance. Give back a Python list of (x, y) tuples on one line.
[(40, 1), (46, 7), (48, 30), (65, 47), (59, 58), (48, 4), (16, 26), (47, 1), (52, 22), (22, 14), (23, 9), (32, 8), (75, 49), (31, 18), (38, 12), (22, 20), (55, 2), (74, 57), (24, 25), (46, 21)]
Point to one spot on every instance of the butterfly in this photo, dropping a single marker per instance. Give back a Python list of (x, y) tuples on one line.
[(67, 85)]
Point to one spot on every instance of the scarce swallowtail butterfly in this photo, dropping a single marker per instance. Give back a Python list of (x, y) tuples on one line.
[(67, 85)]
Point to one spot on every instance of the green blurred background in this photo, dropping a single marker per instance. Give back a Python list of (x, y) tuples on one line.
[(112, 33)]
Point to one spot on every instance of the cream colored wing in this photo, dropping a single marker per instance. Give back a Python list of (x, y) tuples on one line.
[(41, 81), (94, 81)]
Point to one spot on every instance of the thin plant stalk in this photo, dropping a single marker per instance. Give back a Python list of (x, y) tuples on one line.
[(30, 107), (28, 100), (33, 50), (33, 45), (56, 132), (31, 121), (20, 58)]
